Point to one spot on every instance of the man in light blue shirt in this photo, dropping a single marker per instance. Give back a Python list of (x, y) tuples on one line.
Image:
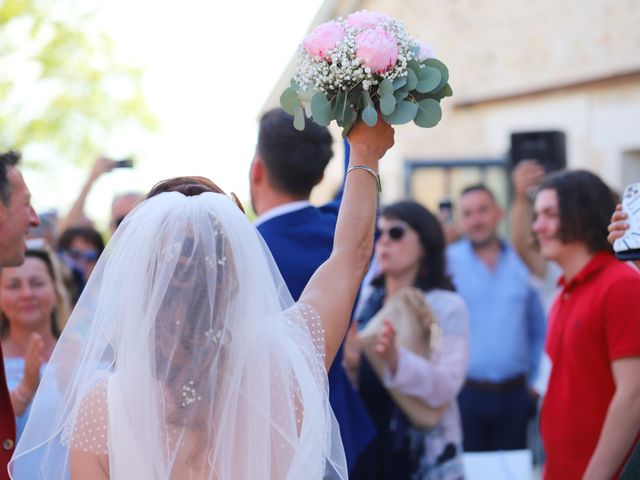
[(507, 326)]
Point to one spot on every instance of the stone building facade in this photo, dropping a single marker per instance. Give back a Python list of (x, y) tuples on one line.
[(515, 66)]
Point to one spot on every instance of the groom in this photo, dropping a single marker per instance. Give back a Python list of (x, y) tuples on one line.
[(287, 165)]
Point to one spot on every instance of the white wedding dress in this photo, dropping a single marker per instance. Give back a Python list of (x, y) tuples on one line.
[(186, 358)]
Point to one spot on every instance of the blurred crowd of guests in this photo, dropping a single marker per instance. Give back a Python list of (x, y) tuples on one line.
[(546, 318), (36, 297)]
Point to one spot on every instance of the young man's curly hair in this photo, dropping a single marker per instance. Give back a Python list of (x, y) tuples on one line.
[(585, 205)]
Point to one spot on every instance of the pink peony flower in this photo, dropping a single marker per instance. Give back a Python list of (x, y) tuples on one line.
[(377, 49), (364, 19), (425, 51), (323, 39)]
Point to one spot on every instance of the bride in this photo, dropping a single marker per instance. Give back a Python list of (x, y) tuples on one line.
[(186, 358)]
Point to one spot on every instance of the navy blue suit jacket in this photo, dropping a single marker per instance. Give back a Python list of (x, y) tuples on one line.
[(300, 242)]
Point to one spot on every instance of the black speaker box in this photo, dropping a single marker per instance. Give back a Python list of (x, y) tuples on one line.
[(547, 147)]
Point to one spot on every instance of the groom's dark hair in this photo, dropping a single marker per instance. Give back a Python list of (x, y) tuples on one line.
[(295, 160)]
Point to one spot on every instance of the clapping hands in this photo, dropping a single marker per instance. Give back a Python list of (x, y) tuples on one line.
[(22, 396), (33, 360)]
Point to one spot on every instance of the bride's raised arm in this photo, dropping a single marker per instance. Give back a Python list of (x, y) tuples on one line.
[(333, 288)]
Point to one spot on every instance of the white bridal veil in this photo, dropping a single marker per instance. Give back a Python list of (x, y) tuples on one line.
[(186, 358)]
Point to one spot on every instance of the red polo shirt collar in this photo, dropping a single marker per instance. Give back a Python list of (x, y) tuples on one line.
[(599, 261)]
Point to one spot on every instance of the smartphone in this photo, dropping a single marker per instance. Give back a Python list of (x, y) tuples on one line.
[(445, 206), (125, 163), (628, 247)]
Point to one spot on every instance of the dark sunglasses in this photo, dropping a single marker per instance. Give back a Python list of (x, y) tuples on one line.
[(395, 233), (88, 256)]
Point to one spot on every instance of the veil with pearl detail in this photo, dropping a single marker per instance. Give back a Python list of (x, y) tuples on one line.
[(186, 358)]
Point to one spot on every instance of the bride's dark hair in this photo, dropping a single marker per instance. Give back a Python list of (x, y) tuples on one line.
[(175, 320)]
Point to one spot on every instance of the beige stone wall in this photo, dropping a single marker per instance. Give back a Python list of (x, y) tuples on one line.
[(498, 46)]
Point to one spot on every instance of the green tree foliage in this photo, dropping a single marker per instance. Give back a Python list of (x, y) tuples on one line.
[(63, 93)]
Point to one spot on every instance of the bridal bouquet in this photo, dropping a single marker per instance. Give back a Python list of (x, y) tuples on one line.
[(363, 65)]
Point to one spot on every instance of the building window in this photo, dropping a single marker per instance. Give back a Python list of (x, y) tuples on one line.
[(430, 182)]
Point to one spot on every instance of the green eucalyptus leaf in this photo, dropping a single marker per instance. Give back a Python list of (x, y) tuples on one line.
[(298, 118), (306, 95), (369, 115), (429, 113), (354, 98), (399, 82), (339, 107), (350, 115), (355, 103), (430, 79), (305, 98), (440, 94), (321, 109), (400, 95), (444, 71), (307, 110), (387, 104), (347, 128), (405, 112), (365, 99), (414, 66), (289, 100), (386, 87), (434, 62), (412, 80)]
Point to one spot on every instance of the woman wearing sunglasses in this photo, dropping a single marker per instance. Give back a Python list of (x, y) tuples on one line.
[(410, 253), (80, 248)]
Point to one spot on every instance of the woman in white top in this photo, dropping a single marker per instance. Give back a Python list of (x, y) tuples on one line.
[(186, 358)]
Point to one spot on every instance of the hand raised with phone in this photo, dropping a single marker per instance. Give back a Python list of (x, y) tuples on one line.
[(104, 165)]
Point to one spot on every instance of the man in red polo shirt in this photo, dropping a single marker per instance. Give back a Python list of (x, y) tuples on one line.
[(591, 413), (16, 217)]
